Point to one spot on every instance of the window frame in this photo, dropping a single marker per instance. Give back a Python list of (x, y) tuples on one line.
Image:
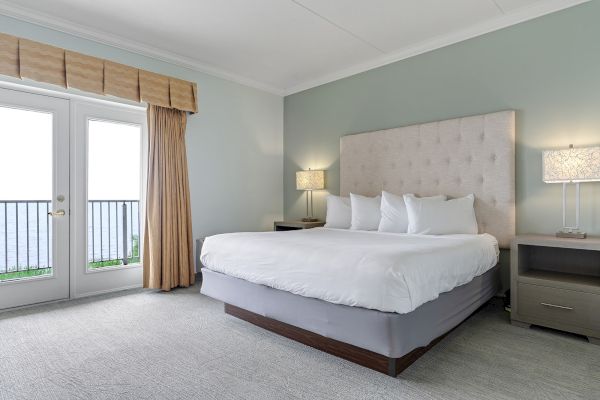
[(80, 282), (142, 183), (87, 281)]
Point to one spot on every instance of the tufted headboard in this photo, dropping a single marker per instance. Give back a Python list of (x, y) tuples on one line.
[(454, 157)]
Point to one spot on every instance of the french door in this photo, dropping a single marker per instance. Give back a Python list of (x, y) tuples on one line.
[(107, 182), (34, 198), (72, 176)]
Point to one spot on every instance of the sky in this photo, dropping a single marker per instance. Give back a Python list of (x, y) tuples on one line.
[(26, 159), (114, 165)]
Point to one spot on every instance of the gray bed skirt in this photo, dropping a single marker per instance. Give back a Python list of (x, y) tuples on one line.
[(389, 334)]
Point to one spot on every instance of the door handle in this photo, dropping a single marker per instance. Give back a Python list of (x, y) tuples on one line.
[(57, 213)]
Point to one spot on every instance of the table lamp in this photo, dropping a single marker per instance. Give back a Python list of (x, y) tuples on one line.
[(572, 165), (308, 181)]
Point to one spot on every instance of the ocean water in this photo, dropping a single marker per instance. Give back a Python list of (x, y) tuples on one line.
[(26, 233)]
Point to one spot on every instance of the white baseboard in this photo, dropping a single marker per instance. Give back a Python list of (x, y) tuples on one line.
[(106, 291)]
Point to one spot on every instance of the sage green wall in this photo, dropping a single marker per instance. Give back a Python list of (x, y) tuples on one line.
[(234, 143), (547, 69)]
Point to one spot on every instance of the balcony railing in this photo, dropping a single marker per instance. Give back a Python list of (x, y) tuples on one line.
[(113, 232), (26, 236)]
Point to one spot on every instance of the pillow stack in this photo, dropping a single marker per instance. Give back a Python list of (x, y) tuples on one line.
[(433, 215), (442, 217), (365, 212), (394, 213), (339, 213)]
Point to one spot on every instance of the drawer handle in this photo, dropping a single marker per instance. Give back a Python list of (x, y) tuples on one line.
[(556, 306)]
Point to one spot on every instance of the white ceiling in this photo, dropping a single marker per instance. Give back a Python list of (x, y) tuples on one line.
[(282, 46)]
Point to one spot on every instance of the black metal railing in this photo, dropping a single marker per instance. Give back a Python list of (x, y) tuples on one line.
[(25, 238), (26, 235), (113, 232)]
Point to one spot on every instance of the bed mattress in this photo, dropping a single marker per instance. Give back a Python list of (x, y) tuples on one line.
[(389, 334), (388, 272)]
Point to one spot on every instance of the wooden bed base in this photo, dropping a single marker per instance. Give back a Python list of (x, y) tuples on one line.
[(366, 358)]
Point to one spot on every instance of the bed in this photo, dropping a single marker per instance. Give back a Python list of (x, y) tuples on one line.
[(380, 300)]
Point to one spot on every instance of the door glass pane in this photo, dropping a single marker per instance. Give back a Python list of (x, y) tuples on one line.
[(25, 193), (114, 184)]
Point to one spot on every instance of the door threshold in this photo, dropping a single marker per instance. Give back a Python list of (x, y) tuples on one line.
[(87, 296)]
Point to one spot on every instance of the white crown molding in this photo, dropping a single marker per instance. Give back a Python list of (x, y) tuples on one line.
[(521, 15), (71, 28), (512, 18)]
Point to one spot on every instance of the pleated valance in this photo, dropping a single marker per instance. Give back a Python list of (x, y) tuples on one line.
[(22, 58)]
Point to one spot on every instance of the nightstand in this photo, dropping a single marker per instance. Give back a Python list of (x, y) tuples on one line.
[(294, 225), (555, 282)]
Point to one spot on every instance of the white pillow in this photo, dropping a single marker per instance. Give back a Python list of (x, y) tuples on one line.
[(394, 217), (339, 213), (441, 217), (366, 212)]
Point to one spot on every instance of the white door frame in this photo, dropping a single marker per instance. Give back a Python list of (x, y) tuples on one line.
[(75, 101), (27, 291), (85, 282)]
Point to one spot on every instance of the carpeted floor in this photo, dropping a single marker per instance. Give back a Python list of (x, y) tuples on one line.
[(180, 345)]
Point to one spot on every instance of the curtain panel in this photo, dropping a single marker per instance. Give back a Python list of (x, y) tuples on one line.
[(167, 260), (22, 58)]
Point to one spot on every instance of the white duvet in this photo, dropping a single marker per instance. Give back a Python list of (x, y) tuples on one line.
[(383, 271)]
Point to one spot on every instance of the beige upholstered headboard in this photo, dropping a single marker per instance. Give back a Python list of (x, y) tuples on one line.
[(454, 157)]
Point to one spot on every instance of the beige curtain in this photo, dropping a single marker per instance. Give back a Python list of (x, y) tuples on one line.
[(168, 225)]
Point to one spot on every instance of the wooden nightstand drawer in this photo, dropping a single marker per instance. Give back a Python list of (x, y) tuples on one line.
[(559, 306)]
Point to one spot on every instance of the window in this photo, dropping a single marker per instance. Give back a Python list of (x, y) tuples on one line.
[(114, 193), (26, 165)]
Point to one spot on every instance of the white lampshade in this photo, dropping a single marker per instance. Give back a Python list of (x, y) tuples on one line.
[(310, 180), (571, 165)]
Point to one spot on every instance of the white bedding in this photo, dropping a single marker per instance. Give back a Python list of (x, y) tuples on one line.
[(391, 272)]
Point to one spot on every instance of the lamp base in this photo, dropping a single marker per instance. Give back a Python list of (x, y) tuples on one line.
[(308, 219), (571, 234)]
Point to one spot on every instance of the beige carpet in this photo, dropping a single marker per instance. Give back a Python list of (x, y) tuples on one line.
[(180, 345)]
